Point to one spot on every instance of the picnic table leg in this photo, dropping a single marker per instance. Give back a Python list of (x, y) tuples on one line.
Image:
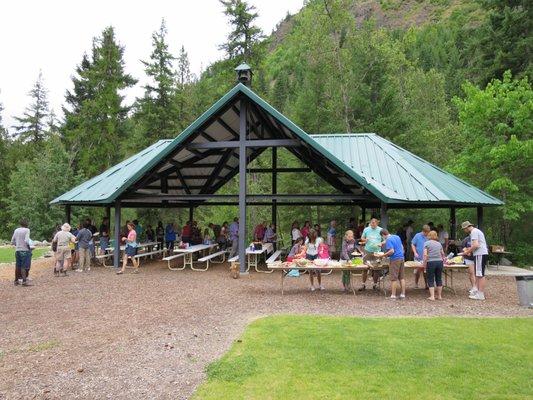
[(282, 279), (350, 282)]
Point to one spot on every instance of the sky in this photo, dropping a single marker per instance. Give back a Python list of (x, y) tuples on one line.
[(52, 36)]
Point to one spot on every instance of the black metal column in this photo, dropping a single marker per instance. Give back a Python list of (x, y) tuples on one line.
[(453, 224), (191, 214), (275, 189), (480, 218), (108, 215), (242, 185), (67, 213), (384, 216), (116, 254)]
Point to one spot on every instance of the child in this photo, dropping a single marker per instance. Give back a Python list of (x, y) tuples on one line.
[(297, 252), (323, 251), (312, 243)]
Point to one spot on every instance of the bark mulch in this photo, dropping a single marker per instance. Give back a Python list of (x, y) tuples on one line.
[(97, 335)]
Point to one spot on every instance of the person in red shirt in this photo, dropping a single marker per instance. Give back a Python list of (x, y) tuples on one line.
[(305, 229), (259, 231), (186, 233)]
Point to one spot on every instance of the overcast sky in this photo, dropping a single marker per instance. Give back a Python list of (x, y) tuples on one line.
[(53, 35)]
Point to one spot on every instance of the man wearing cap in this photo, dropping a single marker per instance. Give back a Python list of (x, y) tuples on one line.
[(394, 250), (479, 250)]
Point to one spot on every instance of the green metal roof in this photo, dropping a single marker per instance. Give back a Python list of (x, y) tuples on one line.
[(108, 185), (389, 172), (398, 174)]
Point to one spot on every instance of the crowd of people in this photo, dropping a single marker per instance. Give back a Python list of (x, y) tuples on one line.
[(429, 247), (75, 247)]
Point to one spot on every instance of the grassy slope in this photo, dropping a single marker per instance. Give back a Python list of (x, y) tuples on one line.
[(291, 357), (7, 254)]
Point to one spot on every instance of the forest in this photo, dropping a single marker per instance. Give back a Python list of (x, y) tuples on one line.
[(449, 80)]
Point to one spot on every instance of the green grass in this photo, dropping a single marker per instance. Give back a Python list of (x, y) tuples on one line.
[(7, 254), (301, 357)]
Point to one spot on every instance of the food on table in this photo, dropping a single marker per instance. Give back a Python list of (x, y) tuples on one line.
[(413, 264), (357, 261), (456, 260), (356, 254), (302, 262), (333, 263), (320, 263), (379, 254)]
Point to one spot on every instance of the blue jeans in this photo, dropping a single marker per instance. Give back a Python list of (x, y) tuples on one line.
[(22, 264)]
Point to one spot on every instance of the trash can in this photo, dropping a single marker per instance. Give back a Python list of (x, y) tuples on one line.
[(524, 286)]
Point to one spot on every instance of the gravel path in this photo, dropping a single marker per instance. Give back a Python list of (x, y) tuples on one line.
[(103, 336)]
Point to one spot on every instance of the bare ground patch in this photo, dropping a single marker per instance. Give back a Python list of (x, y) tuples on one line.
[(150, 335)]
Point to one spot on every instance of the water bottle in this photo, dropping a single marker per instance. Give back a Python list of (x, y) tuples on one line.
[(450, 256)]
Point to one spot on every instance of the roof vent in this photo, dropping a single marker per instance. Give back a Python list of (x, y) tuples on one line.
[(244, 74)]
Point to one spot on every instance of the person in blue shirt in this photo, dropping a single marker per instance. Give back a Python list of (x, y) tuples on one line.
[(394, 250), (417, 246)]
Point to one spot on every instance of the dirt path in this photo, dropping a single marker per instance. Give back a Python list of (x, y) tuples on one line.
[(99, 335)]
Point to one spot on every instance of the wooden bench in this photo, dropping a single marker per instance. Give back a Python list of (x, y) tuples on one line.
[(174, 257), (208, 258)]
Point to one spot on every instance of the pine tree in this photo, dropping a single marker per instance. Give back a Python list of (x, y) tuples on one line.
[(33, 123), (95, 123), (157, 112), (244, 34)]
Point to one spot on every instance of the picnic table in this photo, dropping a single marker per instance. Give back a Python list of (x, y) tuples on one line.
[(189, 251), (381, 266), (253, 256), (447, 271), (343, 267), (111, 249)]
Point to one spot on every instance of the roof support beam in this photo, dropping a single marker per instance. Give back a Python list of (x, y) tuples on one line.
[(278, 170), (233, 144)]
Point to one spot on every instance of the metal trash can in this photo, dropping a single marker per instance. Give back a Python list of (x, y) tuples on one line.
[(524, 286)]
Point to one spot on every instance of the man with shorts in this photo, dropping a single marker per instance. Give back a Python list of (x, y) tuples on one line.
[(480, 251), (394, 250), (371, 238), (63, 253)]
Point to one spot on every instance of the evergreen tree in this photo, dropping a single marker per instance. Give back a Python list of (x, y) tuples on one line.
[(4, 175), (184, 69), (98, 115), (157, 112), (244, 34), (72, 127), (33, 123), (505, 41)]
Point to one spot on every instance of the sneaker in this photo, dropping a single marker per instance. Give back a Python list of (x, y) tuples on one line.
[(362, 288), (402, 297), (375, 287), (16, 283), (27, 283), (312, 288), (79, 270), (477, 296), (322, 287), (393, 297), (472, 291)]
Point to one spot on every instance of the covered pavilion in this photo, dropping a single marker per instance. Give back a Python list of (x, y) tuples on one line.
[(186, 172)]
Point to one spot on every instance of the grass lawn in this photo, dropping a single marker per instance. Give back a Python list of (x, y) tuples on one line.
[(7, 254), (307, 357)]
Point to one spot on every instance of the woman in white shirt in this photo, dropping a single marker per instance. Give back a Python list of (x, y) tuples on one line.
[(311, 244)]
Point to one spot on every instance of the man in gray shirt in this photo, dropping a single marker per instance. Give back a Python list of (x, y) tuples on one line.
[(21, 241)]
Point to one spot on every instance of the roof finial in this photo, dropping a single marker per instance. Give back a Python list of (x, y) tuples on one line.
[(244, 74)]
